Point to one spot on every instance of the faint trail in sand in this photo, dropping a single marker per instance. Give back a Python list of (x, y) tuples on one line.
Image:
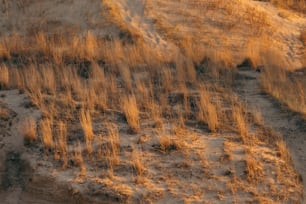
[(289, 124), (133, 12)]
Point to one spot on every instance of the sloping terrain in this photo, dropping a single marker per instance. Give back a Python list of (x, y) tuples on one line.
[(140, 101), (289, 124)]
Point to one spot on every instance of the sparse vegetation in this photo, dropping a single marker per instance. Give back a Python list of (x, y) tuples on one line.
[(133, 116)]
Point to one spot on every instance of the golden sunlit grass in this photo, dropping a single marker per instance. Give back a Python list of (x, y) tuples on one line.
[(130, 109), (254, 169), (4, 77), (86, 123), (208, 111), (277, 81), (241, 123), (137, 162), (28, 129), (46, 133), (303, 37), (61, 149)]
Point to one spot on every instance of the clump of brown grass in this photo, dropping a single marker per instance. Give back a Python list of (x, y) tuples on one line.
[(28, 129), (46, 133), (4, 76), (137, 162), (283, 151), (114, 142), (208, 111), (61, 150), (254, 169), (241, 123), (303, 37), (168, 143), (130, 109), (109, 148), (86, 123)]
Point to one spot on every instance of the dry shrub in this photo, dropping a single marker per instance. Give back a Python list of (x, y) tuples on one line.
[(28, 129), (130, 109), (46, 133), (208, 111), (86, 123)]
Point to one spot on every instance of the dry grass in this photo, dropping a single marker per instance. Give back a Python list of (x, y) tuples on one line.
[(303, 37), (288, 87), (131, 112), (283, 151), (254, 169), (61, 149), (4, 77), (114, 143), (80, 79), (86, 123), (28, 129), (208, 111), (137, 162), (46, 133), (168, 143), (78, 158), (298, 5), (241, 123)]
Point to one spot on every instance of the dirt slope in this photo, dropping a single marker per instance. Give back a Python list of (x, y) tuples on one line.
[(219, 159)]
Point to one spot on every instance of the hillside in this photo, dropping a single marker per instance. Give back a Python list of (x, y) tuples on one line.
[(152, 101)]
